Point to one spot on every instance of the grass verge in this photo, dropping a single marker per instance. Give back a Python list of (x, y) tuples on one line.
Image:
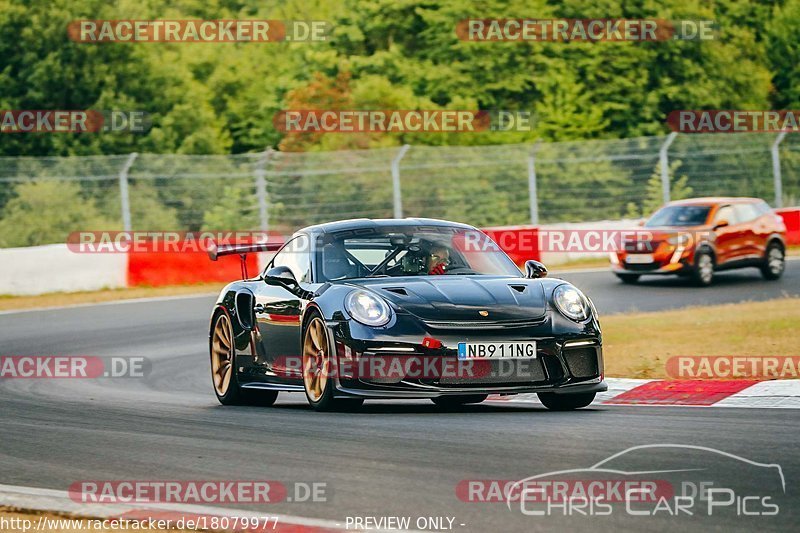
[(638, 345), (579, 264)]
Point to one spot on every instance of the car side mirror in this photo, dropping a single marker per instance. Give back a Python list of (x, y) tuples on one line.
[(281, 274), (721, 224), (535, 269)]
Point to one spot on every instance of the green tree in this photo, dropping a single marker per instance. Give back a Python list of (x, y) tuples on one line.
[(654, 198), (235, 210), (783, 51), (47, 212)]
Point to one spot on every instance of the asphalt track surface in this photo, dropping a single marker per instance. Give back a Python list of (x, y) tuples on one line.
[(656, 293), (390, 459)]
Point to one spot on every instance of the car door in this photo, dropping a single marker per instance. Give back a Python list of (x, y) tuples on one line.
[(727, 241), (753, 229), (278, 310)]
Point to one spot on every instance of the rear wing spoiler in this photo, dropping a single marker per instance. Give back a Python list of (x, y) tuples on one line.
[(215, 252)]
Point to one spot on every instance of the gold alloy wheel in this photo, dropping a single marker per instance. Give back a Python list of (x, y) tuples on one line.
[(222, 355), (315, 359)]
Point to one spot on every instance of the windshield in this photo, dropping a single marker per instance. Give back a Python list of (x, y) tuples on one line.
[(408, 251), (680, 215)]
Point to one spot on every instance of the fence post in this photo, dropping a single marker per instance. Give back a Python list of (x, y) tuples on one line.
[(533, 195), (397, 196), (261, 189), (664, 163), (124, 196), (776, 169)]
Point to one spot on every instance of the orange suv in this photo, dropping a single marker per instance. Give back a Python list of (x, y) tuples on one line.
[(695, 238)]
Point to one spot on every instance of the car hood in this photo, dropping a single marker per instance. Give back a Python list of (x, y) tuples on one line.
[(667, 231), (462, 297), (658, 234)]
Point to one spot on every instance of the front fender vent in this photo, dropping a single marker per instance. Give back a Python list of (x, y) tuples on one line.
[(397, 290), (244, 309)]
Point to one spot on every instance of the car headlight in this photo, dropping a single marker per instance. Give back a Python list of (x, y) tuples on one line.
[(571, 302), (682, 239), (367, 308)]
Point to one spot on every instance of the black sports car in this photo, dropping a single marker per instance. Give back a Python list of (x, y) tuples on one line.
[(412, 308)]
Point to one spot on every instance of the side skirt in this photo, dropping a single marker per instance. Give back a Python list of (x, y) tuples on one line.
[(270, 386)]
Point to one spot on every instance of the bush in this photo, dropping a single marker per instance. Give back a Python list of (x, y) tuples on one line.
[(46, 212)]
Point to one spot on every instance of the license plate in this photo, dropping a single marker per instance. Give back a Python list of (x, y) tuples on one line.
[(496, 350), (639, 259)]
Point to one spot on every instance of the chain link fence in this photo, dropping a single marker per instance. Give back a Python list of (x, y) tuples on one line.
[(43, 199)]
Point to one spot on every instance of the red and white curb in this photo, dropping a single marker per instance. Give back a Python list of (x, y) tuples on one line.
[(701, 393), (36, 499)]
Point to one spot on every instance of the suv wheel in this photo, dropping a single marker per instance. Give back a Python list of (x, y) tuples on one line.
[(774, 262), (630, 279), (703, 274)]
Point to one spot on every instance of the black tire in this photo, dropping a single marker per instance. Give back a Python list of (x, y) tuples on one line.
[(323, 400), (223, 362), (774, 261), (231, 393), (566, 402), (629, 279), (451, 402), (703, 271)]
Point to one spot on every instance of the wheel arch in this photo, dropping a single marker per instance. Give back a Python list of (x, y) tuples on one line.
[(218, 310), (705, 247), (776, 238), (310, 310)]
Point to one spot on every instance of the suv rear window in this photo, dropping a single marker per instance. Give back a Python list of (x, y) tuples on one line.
[(762, 207), (746, 212)]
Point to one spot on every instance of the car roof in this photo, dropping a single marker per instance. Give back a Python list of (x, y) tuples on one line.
[(715, 200), (369, 223)]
